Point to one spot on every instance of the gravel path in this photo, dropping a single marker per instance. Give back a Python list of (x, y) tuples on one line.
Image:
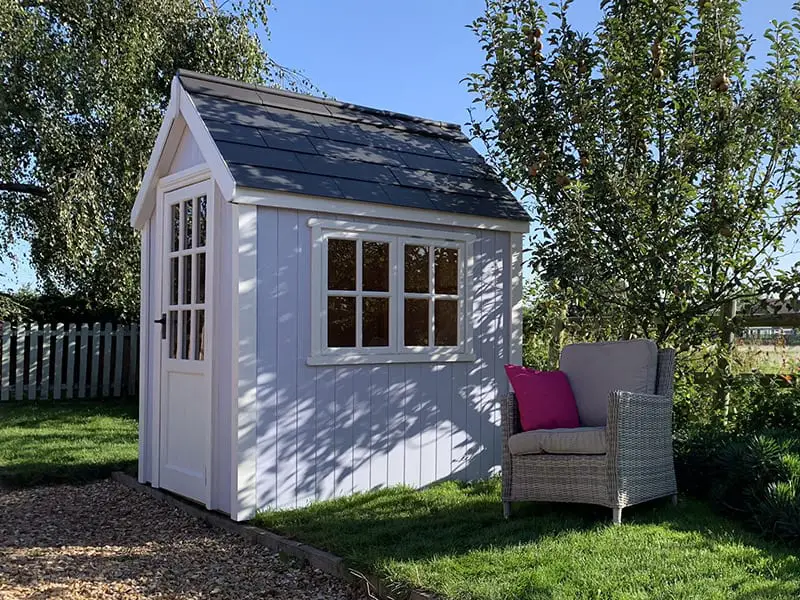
[(103, 540)]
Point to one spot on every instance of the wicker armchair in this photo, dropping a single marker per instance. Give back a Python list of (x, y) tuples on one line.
[(636, 464)]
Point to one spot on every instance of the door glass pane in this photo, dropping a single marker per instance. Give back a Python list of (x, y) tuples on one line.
[(446, 271), (187, 279), (341, 322), (375, 266), (446, 323), (200, 284), (201, 221), (200, 333), (186, 331), (173, 280), (416, 269), (416, 322), (341, 264), (375, 325), (176, 227), (187, 224), (173, 334)]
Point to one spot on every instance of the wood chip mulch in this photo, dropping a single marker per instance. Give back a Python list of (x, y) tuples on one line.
[(103, 540)]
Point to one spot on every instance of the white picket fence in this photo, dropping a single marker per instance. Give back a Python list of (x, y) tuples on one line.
[(68, 361)]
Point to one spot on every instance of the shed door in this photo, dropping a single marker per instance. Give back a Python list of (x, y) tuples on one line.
[(185, 415)]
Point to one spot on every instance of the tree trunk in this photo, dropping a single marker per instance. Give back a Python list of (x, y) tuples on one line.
[(725, 353)]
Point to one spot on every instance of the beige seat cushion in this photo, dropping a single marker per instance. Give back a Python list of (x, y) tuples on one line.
[(596, 370), (579, 440)]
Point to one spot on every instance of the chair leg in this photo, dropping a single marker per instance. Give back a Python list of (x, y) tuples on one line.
[(674, 499), (616, 516), (507, 510)]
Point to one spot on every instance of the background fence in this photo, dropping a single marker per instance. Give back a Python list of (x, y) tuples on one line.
[(68, 361)]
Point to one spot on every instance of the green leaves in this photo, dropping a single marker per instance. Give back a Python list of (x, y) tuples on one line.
[(661, 168), (83, 86)]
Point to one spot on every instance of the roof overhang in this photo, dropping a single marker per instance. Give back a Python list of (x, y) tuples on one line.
[(181, 113), (358, 208)]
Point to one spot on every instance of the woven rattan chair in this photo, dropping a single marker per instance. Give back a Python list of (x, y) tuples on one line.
[(636, 463)]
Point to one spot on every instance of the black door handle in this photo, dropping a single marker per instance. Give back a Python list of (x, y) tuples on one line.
[(163, 321)]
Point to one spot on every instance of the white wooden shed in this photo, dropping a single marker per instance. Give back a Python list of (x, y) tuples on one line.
[(332, 292)]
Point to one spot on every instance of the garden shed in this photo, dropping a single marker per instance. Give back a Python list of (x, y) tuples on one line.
[(331, 291)]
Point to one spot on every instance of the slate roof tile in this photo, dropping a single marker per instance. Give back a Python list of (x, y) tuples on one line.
[(357, 152), (337, 167), (287, 141), (250, 176), (277, 140), (230, 132), (259, 156)]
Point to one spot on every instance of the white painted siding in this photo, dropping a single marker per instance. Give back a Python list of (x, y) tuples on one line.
[(221, 480), (187, 154), (330, 431), (148, 392)]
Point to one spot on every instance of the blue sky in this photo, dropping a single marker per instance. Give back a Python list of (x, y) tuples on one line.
[(404, 56)]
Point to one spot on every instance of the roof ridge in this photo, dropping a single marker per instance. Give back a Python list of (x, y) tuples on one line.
[(318, 100)]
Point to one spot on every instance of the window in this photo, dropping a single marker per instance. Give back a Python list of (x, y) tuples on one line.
[(186, 292), (389, 294)]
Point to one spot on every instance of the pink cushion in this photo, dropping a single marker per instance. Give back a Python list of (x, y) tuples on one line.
[(544, 397)]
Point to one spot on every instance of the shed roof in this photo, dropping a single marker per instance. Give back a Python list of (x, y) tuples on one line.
[(281, 141)]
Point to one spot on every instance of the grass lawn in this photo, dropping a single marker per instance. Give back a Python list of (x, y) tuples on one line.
[(66, 442), (768, 358), (451, 539)]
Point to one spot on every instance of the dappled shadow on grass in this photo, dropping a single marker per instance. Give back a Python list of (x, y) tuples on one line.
[(34, 474), (59, 442), (452, 539)]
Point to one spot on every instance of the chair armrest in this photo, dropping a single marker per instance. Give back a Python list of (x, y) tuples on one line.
[(509, 416), (639, 426)]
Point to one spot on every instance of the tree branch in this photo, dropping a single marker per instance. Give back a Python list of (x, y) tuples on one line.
[(23, 188)]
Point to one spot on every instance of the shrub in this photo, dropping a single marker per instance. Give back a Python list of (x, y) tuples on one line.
[(750, 466), (759, 478)]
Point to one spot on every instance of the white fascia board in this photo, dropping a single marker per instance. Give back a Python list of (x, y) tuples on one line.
[(143, 204), (208, 147), (358, 208), (180, 104)]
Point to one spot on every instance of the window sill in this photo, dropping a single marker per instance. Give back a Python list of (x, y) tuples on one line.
[(386, 359)]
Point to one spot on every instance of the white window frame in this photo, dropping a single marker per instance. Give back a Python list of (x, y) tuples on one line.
[(397, 238)]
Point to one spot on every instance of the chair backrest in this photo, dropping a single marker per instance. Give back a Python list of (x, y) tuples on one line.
[(595, 370)]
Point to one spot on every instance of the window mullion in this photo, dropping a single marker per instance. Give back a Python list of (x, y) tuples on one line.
[(431, 307), (359, 293), (400, 271)]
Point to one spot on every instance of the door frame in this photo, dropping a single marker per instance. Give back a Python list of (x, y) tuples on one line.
[(170, 183)]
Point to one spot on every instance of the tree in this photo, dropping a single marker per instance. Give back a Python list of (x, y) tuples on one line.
[(83, 87), (660, 164)]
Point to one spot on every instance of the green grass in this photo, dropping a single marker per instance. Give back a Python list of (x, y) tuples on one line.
[(451, 539), (46, 443), (767, 358)]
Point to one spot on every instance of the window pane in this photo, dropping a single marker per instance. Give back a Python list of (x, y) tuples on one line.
[(173, 280), (446, 271), (341, 322), (446, 323), (341, 264), (173, 333), (186, 332), (200, 284), (375, 272), (176, 227), (187, 279), (416, 268), (201, 221), (200, 334), (375, 326), (416, 322), (187, 224)]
